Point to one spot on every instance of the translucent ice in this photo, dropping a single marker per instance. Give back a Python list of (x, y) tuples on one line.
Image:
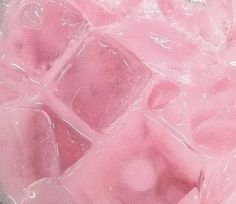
[(117, 101)]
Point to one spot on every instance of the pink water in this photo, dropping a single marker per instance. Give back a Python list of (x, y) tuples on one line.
[(118, 102)]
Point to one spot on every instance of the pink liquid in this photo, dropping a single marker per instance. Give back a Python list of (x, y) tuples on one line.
[(118, 102)]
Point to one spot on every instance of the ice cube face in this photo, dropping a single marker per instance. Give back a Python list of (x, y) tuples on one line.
[(70, 143), (46, 150), (27, 154), (42, 31), (101, 81)]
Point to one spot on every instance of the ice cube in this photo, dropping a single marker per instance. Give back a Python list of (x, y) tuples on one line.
[(163, 49), (28, 148), (210, 20), (70, 142), (101, 81), (39, 32)]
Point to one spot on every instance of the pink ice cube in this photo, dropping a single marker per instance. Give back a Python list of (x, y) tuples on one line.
[(39, 32), (70, 142), (28, 151), (101, 81)]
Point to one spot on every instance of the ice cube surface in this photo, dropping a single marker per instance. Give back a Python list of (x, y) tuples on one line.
[(28, 151), (101, 81), (39, 32), (117, 102), (71, 143)]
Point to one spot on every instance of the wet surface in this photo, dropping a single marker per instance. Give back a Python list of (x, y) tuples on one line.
[(116, 102)]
